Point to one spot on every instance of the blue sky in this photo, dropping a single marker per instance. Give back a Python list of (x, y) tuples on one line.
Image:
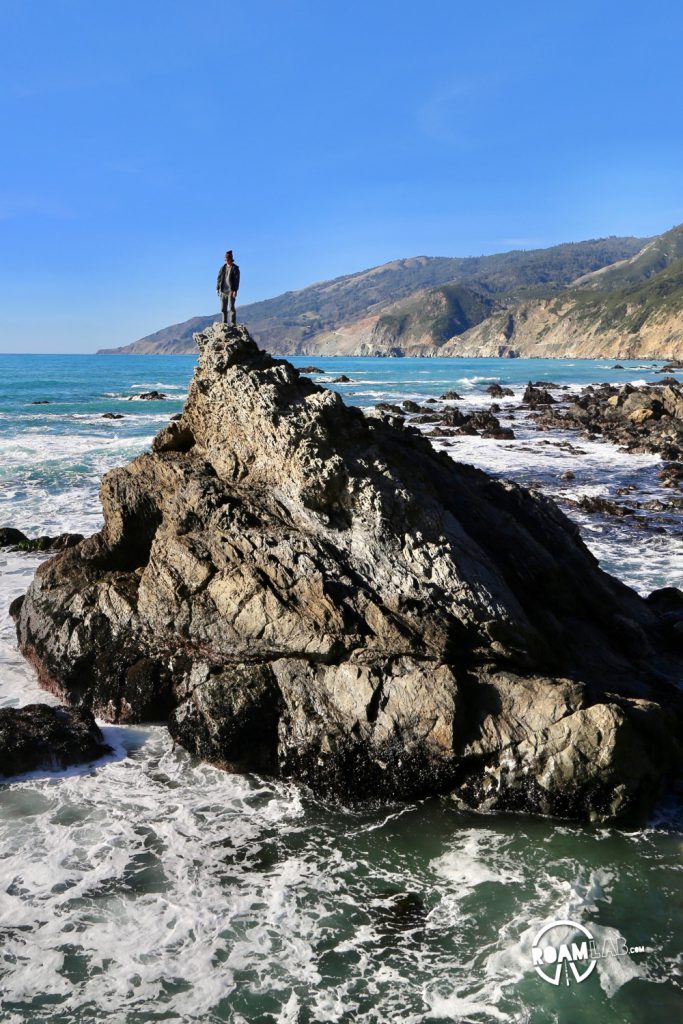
[(315, 139)]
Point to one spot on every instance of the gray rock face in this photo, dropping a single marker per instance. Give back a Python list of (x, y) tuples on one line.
[(306, 590), (40, 736)]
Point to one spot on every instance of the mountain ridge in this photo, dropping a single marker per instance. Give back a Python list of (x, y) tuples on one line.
[(339, 315)]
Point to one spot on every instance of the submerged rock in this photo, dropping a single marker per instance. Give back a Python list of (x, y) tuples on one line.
[(40, 736), (314, 592), (148, 396), (16, 539), (498, 391)]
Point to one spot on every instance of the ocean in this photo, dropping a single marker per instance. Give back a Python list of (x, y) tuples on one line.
[(150, 887)]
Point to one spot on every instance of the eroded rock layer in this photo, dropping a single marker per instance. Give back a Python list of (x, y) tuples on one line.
[(304, 589)]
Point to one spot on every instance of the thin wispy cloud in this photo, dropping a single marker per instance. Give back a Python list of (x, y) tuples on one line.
[(14, 206), (451, 115)]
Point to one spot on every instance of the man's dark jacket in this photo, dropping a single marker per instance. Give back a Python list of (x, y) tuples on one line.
[(228, 278)]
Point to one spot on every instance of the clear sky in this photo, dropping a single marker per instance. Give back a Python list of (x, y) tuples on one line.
[(315, 138)]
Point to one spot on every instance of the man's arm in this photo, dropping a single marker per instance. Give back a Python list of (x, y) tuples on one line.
[(219, 280), (235, 278)]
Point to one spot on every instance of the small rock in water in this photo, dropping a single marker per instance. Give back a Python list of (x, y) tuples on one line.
[(535, 395), (596, 504), (567, 475), (309, 369), (343, 379), (40, 401), (498, 391), (451, 396), (672, 475), (42, 736), (112, 415), (148, 396)]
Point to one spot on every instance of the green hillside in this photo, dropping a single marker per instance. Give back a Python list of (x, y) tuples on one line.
[(439, 313), (654, 258), (628, 308)]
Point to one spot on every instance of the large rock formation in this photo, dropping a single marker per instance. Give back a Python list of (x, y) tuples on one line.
[(307, 590)]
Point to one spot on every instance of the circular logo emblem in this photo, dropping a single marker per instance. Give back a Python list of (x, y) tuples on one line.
[(563, 949)]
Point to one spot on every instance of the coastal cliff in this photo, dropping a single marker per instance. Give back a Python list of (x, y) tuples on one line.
[(302, 589), (582, 327)]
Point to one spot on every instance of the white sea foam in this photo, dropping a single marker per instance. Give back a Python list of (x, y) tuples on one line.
[(476, 858)]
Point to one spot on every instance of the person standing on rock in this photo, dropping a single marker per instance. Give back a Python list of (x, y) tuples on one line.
[(227, 287)]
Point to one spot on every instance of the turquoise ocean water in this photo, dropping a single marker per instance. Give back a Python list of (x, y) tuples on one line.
[(153, 888)]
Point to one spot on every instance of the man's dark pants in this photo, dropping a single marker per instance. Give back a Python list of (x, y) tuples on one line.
[(228, 305)]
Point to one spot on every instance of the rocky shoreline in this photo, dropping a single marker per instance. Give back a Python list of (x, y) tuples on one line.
[(305, 590), (647, 418)]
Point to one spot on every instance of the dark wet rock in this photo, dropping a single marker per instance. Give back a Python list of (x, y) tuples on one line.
[(618, 366), (668, 603), (148, 396), (40, 401), (432, 417), (451, 396), (343, 379), (534, 395), (675, 364), (498, 391), (112, 415), (431, 401), (318, 593), (472, 423), (10, 537), (441, 432), (672, 475), (389, 407), (409, 406), (176, 416), (592, 503), (41, 736), (309, 369), (485, 424), (567, 475)]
